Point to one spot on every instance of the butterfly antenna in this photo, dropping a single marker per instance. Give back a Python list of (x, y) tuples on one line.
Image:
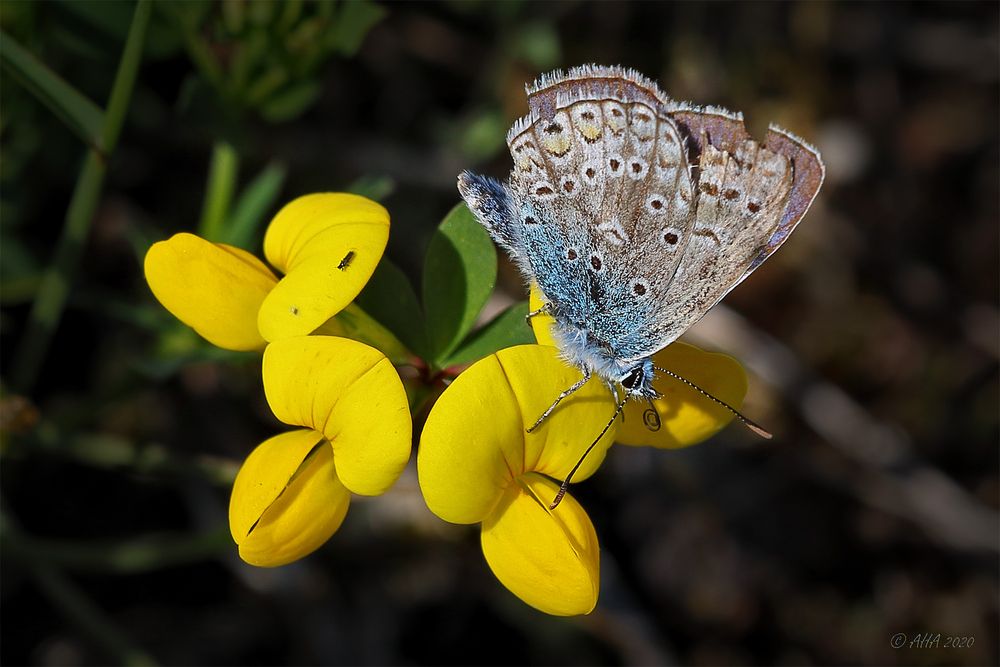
[(565, 484), (746, 422)]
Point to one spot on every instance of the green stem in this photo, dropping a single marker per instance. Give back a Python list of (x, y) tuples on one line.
[(108, 451), (133, 556), (218, 191), (51, 299)]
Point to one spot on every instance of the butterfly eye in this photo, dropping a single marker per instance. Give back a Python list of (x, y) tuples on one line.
[(753, 206), (639, 288), (633, 379)]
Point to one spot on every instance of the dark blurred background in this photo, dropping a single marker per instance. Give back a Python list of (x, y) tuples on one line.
[(871, 340)]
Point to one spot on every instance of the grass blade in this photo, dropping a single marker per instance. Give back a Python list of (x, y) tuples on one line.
[(81, 115), (47, 309), (256, 200)]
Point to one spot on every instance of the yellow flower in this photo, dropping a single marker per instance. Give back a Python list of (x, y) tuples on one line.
[(477, 464), (327, 245), (293, 491), (683, 416)]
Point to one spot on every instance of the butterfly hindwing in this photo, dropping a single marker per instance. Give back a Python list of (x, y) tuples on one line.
[(725, 130), (741, 198)]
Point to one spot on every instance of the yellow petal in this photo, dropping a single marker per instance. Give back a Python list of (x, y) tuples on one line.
[(542, 323), (284, 505), (350, 393), (686, 416), (213, 288), (328, 246), (549, 559), (474, 442)]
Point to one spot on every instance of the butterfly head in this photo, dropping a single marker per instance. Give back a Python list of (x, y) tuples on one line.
[(638, 380)]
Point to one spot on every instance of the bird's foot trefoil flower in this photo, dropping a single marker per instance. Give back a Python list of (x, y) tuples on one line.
[(478, 464), (293, 491), (326, 245)]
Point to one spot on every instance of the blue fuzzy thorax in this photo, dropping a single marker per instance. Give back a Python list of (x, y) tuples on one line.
[(582, 349)]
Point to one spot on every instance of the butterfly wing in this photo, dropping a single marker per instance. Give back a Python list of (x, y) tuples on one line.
[(726, 131), (603, 212), (606, 155), (750, 198)]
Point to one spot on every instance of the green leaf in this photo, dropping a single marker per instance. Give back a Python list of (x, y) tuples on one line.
[(373, 187), (389, 298), (268, 85), (459, 273), (291, 101), (79, 113), (354, 20), (483, 137), (249, 213), (507, 329), (538, 43)]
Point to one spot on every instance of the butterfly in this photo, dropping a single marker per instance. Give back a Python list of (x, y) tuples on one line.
[(634, 214)]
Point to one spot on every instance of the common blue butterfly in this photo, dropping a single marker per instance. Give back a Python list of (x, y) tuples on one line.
[(635, 214)]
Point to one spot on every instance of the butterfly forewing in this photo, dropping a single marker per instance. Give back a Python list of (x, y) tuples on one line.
[(625, 192), (628, 243)]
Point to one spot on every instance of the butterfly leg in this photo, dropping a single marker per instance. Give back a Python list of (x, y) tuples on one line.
[(568, 392), (546, 309)]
